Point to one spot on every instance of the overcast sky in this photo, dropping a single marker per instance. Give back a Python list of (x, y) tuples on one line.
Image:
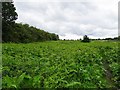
[(71, 19)]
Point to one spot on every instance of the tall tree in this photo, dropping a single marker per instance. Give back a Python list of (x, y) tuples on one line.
[(8, 12), (8, 19)]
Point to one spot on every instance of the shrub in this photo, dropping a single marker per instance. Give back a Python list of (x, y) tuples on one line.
[(86, 39)]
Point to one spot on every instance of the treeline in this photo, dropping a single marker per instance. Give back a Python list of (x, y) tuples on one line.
[(18, 32), (87, 39), (115, 38), (23, 33)]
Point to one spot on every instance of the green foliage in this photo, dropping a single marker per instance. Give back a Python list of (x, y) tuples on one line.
[(60, 64), (8, 12), (25, 34)]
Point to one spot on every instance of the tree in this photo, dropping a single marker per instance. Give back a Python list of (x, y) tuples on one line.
[(8, 12), (86, 39), (8, 20)]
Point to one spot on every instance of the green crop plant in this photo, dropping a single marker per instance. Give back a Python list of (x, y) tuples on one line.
[(60, 64)]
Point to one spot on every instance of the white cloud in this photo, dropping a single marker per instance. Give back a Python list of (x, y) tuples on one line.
[(70, 36), (71, 20)]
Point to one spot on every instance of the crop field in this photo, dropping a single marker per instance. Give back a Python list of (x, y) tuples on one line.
[(61, 64)]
